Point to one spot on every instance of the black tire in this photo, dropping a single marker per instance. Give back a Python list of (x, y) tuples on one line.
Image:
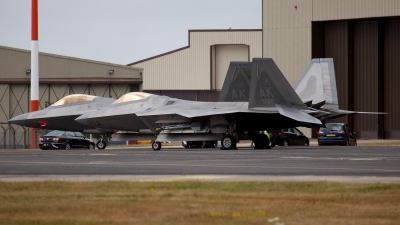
[(91, 146), (306, 143), (101, 145), (67, 146), (157, 146), (228, 142)]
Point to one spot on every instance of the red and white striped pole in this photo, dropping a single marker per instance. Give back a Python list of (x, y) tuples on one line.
[(34, 69)]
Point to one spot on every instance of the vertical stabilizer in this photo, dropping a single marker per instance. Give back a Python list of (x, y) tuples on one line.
[(329, 84), (236, 87), (318, 84), (269, 87)]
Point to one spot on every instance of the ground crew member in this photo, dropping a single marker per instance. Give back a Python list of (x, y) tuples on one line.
[(269, 138)]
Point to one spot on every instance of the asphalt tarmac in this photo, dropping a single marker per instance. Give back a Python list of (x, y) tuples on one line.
[(326, 163)]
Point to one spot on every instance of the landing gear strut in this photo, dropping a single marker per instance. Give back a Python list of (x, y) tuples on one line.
[(101, 144)]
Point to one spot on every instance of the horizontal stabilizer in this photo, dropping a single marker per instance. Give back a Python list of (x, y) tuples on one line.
[(298, 115), (318, 105)]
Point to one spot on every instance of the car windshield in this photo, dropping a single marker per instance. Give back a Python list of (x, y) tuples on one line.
[(74, 99), (132, 96), (331, 127), (55, 133)]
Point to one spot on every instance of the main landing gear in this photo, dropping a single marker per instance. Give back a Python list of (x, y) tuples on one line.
[(156, 145), (101, 144), (228, 142)]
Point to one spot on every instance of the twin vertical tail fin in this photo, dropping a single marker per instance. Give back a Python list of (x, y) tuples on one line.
[(236, 87), (318, 84), (270, 88)]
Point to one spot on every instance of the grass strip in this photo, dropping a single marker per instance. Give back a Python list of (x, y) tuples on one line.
[(191, 202)]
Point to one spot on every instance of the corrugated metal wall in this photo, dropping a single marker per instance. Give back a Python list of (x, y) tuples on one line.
[(324, 10), (190, 68), (366, 78), (287, 35), (335, 46), (392, 79), (14, 63), (366, 55)]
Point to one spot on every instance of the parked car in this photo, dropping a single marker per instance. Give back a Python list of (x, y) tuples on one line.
[(57, 139), (336, 134), (289, 136), (200, 144)]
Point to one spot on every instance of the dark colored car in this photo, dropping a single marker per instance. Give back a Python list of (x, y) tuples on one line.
[(336, 134), (289, 136), (65, 140)]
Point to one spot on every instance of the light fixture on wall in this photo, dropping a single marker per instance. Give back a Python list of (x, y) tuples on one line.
[(28, 71), (111, 72)]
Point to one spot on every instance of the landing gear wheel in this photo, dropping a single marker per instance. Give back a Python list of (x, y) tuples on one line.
[(101, 145), (157, 146), (228, 142)]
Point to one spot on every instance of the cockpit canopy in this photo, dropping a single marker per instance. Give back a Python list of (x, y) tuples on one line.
[(132, 96), (75, 98)]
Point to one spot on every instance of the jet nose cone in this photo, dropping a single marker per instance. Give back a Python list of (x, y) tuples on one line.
[(19, 120), (83, 119)]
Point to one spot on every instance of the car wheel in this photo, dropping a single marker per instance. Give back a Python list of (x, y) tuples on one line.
[(228, 142), (346, 143), (101, 145), (355, 143), (306, 144), (91, 146), (67, 146), (157, 146), (285, 143)]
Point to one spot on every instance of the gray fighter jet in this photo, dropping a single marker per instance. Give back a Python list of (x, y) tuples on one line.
[(62, 114), (273, 104)]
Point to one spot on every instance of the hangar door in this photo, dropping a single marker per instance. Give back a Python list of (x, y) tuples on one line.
[(221, 56), (366, 54)]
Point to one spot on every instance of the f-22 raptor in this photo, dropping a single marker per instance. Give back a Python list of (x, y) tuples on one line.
[(273, 104)]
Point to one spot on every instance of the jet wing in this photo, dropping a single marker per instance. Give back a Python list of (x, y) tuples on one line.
[(199, 109)]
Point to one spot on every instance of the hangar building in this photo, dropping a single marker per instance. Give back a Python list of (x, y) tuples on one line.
[(362, 36), (59, 76)]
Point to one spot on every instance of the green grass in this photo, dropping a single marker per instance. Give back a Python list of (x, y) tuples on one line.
[(124, 202)]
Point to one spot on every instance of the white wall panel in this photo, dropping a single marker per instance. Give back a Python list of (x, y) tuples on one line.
[(189, 68), (224, 54)]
